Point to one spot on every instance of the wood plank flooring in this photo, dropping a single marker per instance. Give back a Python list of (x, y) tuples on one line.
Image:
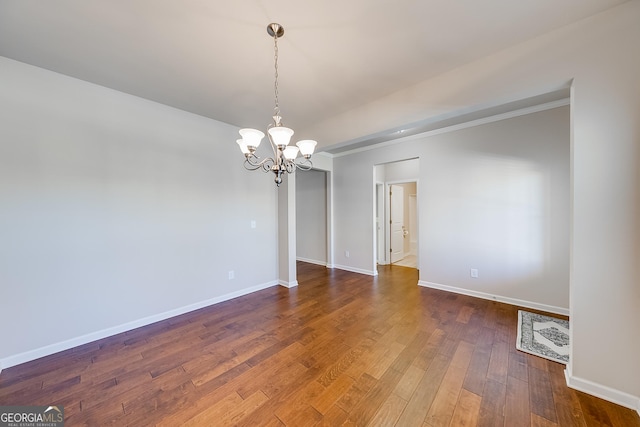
[(341, 349)]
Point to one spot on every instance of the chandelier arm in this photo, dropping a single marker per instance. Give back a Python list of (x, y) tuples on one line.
[(250, 166), (304, 164), (290, 166), (254, 161), (267, 164)]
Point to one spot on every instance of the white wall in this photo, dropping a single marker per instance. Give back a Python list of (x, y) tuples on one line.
[(406, 170), (599, 57), (311, 216), (115, 211)]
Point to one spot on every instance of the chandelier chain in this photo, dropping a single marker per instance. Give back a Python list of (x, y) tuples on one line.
[(285, 158), (276, 109)]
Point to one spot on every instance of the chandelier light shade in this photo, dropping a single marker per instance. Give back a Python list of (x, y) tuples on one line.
[(285, 157), (306, 147)]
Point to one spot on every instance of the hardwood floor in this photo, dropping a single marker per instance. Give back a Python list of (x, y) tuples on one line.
[(341, 349)]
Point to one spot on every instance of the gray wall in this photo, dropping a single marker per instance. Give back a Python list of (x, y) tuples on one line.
[(116, 211), (493, 197), (311, 216)]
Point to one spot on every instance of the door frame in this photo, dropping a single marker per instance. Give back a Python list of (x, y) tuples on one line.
[(379, 224), (329, 237)]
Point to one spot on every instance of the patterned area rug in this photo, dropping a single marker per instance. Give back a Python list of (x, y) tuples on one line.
[(543, 336)]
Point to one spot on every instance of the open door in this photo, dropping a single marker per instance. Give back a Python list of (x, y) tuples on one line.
[(396, 202)]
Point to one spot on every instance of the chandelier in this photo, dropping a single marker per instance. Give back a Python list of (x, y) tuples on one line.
[(285, 157)]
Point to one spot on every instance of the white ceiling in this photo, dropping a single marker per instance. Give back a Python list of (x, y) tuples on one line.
[(215, 58)]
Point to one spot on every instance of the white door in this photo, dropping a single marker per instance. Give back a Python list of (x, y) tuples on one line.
[(413, 224), (396, 201)]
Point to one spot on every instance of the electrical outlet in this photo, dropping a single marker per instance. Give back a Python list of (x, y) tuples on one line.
[(474, 273), (232, 275), (253, 224), (346, 254)]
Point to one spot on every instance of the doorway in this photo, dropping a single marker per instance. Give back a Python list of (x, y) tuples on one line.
[(312, 217), (396, 213)]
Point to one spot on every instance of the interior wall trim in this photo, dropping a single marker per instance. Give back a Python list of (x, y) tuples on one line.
[(286, 284), (603, 392), (37, 353), (311, 261), (513, 301), (355, 270), (459, 126)]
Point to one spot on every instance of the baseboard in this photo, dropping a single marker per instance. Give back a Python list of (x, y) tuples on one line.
[(507, 300), (30, 355), (311, 261), (286, 284), (356, 270), (603, 392)]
